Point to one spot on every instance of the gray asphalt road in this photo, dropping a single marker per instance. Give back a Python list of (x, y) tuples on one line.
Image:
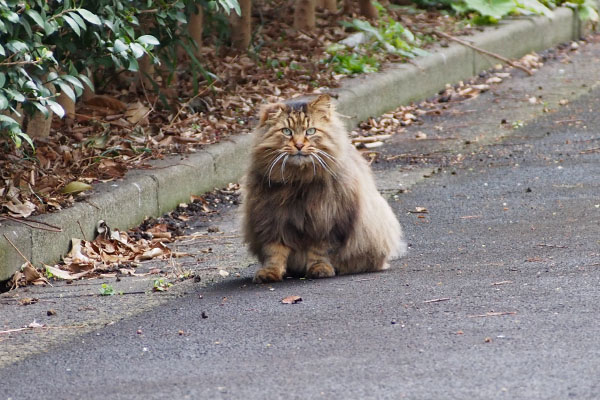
[(497, 299)]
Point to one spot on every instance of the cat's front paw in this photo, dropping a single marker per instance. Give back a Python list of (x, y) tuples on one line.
[(320, 270), (268, 274)]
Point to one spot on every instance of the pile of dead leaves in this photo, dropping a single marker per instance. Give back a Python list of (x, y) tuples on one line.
[(112, 252)]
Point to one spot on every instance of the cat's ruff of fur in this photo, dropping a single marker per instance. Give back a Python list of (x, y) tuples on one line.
[(310, 201)]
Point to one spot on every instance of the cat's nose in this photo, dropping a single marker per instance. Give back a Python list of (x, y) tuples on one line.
[(299, 146)]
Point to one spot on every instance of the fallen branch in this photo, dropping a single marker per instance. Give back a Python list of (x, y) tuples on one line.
[(482, 51), (493, 314), (31, 223), (16, 248)]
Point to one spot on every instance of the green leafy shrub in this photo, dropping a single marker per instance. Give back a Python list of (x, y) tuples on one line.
[(388, 36), (48, 48), (491, 11)]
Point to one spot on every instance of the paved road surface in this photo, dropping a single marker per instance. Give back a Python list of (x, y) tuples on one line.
[(498, 298)]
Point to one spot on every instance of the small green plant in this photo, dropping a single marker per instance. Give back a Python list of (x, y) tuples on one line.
[(491, 11), (161, 284), (588, 9), (106, 290), (347, 62), (387, 36)]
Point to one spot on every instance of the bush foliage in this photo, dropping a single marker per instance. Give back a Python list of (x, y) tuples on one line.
[(52, 47)]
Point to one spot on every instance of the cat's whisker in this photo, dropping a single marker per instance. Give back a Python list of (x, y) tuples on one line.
[(272, 165), (326, 154), (314, 166), (325, 165), (283, 167)]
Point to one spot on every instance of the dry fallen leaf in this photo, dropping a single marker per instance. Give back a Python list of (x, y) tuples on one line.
[(137, 112), (20, 210), (291, 300), (25, 301)]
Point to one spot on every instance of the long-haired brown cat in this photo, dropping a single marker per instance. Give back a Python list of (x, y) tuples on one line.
[(311, 207)]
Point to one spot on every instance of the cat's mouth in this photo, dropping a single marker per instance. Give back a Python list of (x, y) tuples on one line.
[(299, 158)]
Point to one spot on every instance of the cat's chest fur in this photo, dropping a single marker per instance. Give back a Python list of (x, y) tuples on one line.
[(302, 215)]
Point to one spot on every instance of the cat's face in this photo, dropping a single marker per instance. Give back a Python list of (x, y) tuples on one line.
[(299, 138)]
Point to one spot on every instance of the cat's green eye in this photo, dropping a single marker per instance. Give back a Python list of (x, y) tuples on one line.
[(287, 131), (310, 131)]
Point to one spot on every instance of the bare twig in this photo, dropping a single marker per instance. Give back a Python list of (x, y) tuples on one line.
[(555, 246), (589, 151), (482, 51), (501, 283), (563, 121), (31, 223), (29, 328), (437, 300), (15, 247), (81, 230), (493, 314), (184, 105)]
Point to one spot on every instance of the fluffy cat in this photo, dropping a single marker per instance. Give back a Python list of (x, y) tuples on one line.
[(310, 203)]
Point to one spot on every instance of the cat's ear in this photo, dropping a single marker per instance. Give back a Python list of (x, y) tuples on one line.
[(321, 105), (270, 112)]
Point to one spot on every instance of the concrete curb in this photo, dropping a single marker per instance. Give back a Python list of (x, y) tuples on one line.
[(153, 192)]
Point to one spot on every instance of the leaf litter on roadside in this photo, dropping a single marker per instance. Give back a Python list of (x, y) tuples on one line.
[(114, 252)]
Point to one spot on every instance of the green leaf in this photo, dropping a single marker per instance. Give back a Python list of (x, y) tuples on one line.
[(78, 19), (588, 11), (25, 136), (137, 49), (2, 79), (87, 81), (119, 46), (133, 65), (2, 51), (72, 24), (365, 26), (52, 75), (492, 8), (148, 39), (42, 109), (66, 89), (8, 120), (50, 27), (16, 96), (535, 6), (56, 108), (3, 102), (73, 81), (75, 187), (17, 46), (89, 17), (11, 16), (35, 16)]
